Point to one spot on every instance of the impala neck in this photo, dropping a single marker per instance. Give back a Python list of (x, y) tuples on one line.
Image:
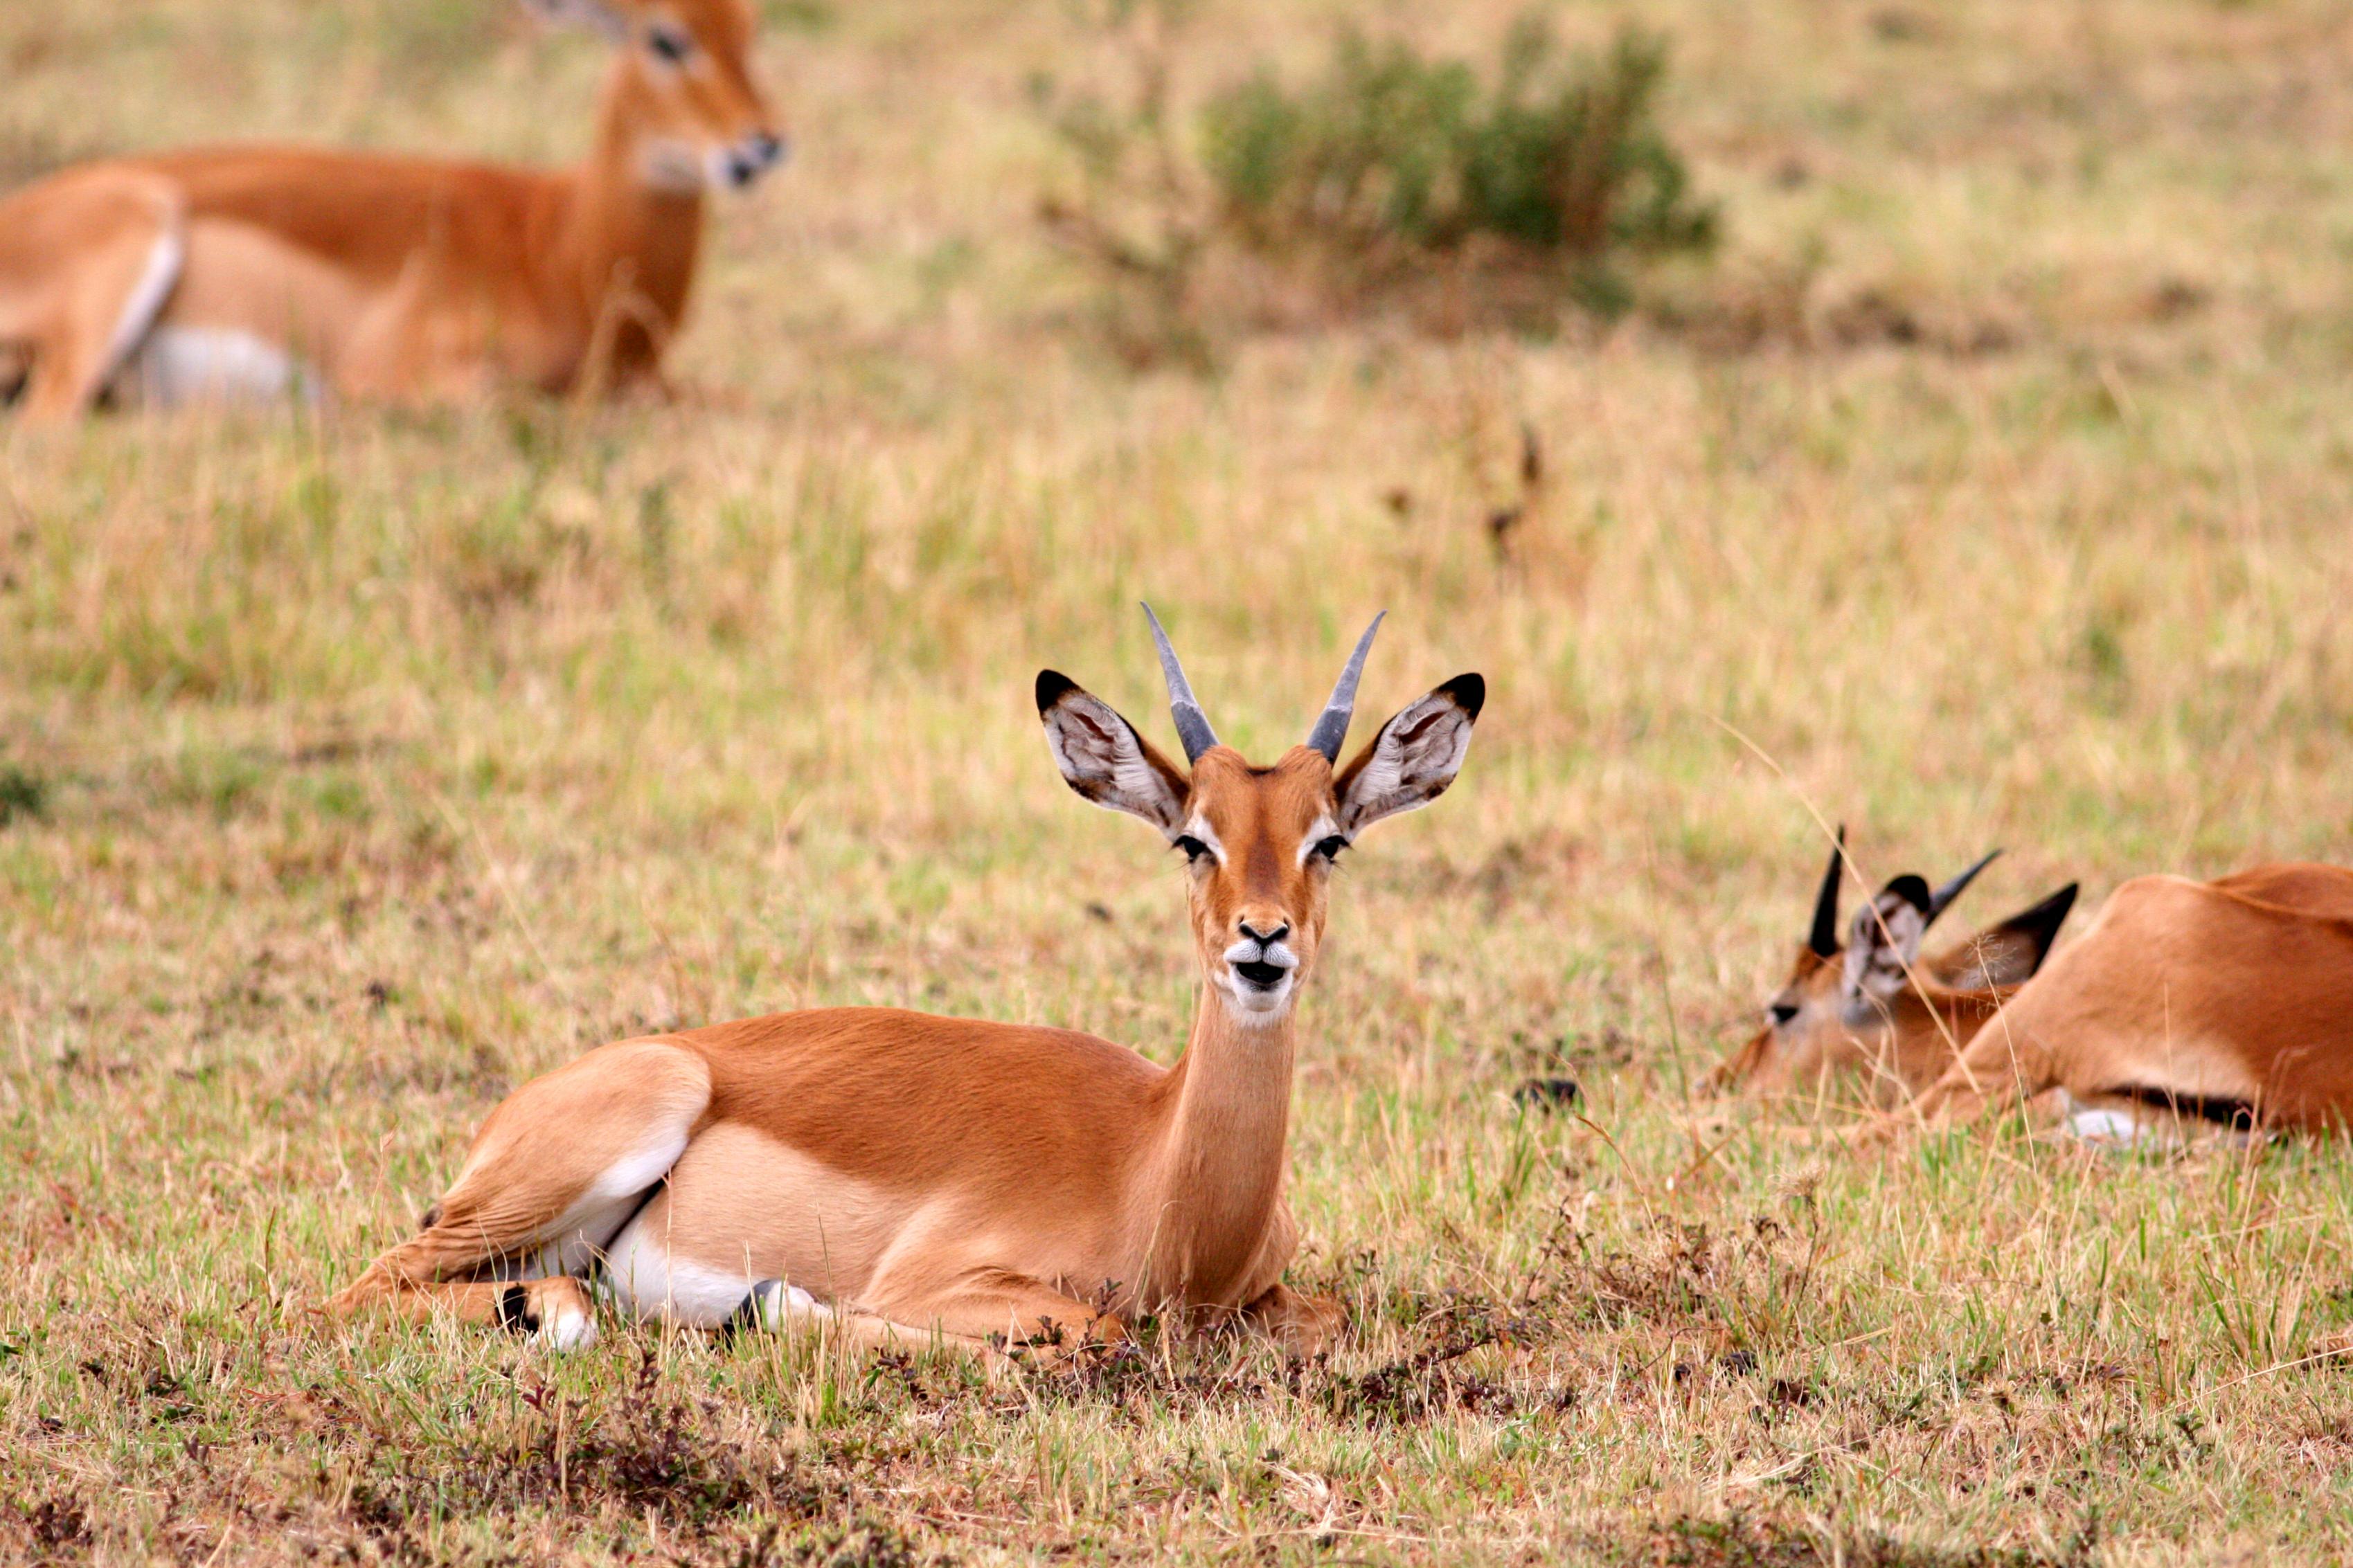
[(1967, 1011), (1963, 1013), (1221, 1158), (630, 240)]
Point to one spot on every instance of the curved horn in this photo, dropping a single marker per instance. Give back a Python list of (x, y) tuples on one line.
[(1945, 895), (1332, 726), (1192, 724), (1823, 939)]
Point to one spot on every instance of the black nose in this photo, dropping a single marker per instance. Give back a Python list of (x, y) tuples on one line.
[(752, 156), (1266, 939)]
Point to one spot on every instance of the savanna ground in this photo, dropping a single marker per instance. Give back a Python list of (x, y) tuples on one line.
[(1989, 487)]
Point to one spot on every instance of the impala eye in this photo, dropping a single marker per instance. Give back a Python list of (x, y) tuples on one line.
[(1330, 847), (669, 45), (1783, 1012), (1195, 850)]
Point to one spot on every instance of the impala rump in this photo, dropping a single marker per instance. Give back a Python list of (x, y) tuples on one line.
[(2228, 1002)]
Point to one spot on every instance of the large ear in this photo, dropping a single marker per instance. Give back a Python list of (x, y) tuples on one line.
[(594, 14), (2007, 955), (1413, 759), (1104, 758), (1884, 943)]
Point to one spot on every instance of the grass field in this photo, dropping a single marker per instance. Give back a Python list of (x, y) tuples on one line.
[(1991, 487)]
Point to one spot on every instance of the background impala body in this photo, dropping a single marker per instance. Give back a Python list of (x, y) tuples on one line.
[(2230, 1000), (908, 1174), (255, 271), (1874, 1005)]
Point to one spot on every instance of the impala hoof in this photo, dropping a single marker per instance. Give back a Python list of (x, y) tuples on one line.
[(776, 1306), (567, 1328), (555, 1313)]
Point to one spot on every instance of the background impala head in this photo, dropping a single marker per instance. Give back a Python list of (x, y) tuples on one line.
[(1260, 842), (1875, 1005), (684, 70)]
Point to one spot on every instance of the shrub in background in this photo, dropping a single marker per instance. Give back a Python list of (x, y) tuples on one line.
[(1139, 216), (1390, 178), (1394, 159)]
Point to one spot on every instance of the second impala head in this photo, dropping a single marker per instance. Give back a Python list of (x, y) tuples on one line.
[(686, 68), (1878, 1006), (1259, 842)]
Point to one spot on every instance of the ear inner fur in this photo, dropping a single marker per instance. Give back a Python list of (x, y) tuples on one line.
[(1414, 758)]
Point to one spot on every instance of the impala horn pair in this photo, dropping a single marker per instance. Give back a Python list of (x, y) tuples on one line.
[(1824, 937), (1331, 727)]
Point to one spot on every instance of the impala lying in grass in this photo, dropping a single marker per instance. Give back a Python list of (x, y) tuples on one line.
[(2228, 1002), (904, 1176), (1873, 1005), (245, 272)]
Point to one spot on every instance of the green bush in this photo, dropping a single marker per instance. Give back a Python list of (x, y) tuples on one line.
[(1390, 154), (1448, 195)]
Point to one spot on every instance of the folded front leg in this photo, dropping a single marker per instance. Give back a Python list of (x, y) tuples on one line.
[(556, 1309)]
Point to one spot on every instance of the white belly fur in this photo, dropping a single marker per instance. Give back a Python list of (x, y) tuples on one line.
[(741, 1208), (2142, 1127), (177, 366), (643, 1277)]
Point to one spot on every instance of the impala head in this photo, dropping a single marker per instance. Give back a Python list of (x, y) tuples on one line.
[(687, 65), (1260, 842), (1875, 1004)]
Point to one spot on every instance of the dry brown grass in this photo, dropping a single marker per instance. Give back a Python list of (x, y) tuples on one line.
[(1992, 485)]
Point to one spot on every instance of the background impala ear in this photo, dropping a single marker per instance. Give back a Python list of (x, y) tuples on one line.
[(1414, 758), (1883, 944), (2009, 953), (594, 14), (1104, 758)]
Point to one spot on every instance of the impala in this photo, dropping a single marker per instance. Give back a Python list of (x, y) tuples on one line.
[(257, 271), (904, 1176), (1874, 1005), (2229, 1000)]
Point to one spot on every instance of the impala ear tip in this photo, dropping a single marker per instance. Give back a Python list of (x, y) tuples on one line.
[(1052, 687), (1470, 692), (1944, 897), (2041, 924), (1912, 888)]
